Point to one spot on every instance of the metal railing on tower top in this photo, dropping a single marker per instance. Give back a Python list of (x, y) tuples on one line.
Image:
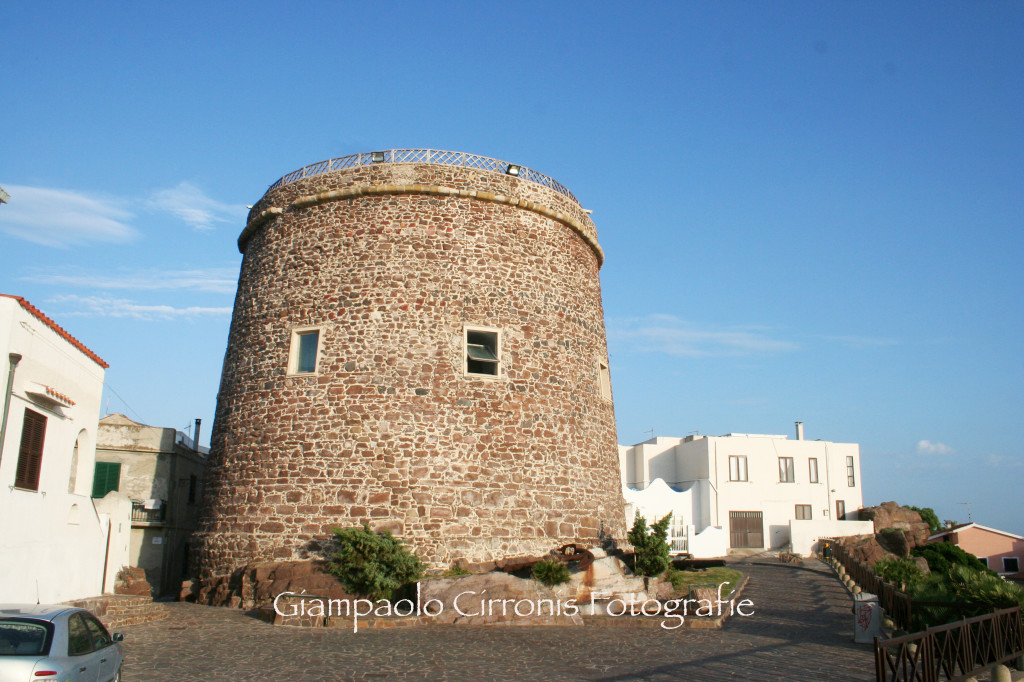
[(423, 156)]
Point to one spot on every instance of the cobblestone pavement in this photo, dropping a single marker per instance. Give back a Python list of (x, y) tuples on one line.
[(801, 630)]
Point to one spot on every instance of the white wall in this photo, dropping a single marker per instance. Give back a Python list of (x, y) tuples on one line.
[(52, 541), (806, 534)]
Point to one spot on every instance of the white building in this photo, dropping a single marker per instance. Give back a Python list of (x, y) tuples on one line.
[(759, 491), (55, 543)]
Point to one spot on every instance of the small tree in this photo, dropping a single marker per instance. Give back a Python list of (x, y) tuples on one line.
[(373, 565), (651, 548)]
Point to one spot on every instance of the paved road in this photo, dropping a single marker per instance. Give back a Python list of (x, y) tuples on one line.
[(801, 630)]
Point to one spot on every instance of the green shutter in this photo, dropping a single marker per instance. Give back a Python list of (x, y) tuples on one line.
[(107, 478)]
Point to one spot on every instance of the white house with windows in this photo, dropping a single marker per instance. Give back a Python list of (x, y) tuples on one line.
[(55, 543), (757, 491)]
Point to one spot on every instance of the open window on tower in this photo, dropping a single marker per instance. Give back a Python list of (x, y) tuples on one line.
[(482, 352)]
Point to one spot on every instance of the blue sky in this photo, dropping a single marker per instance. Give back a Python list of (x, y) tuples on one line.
[(811, 211)]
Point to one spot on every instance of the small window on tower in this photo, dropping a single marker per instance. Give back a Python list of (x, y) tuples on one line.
[(482, 352), (604, 379), (305, 351)]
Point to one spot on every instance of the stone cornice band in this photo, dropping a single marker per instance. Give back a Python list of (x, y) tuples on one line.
[(377, 190)]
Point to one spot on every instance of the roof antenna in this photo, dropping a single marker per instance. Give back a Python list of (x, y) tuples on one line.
[(969, 519), (650, 431)]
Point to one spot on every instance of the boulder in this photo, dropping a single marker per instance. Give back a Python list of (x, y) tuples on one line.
[(890, 515), (131, 580), (256, 585)]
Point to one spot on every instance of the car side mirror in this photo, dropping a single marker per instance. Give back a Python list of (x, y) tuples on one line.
[(118, 637)]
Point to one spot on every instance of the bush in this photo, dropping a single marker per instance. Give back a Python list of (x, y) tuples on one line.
[(903, 573), (455, 570), (373, 565), (651, 548), (967, 591), (551, 572), (929, 516), (942, 556)]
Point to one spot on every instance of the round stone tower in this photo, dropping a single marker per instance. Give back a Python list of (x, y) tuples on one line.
[(417, 343)]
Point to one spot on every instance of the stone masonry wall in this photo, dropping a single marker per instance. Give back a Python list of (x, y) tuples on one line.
[(390, 431)]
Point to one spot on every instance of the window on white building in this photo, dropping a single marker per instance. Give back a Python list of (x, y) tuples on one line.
[(737, 467), (787, 473), (483, 352), (812, 466), (850, 481), (304, 353), (803, 512), (30, 455)]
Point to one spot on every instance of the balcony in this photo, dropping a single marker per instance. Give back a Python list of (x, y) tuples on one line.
[(153, 514)]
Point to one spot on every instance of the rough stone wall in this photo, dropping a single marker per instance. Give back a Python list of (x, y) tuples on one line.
[(390, 431)]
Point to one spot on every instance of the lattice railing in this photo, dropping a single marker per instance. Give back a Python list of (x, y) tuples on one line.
[(423, 156), (953, 651)]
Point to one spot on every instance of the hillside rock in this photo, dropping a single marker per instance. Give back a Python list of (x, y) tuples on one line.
[(890, 515)]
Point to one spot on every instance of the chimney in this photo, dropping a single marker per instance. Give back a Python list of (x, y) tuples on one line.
[(195, 436), (799, 430)]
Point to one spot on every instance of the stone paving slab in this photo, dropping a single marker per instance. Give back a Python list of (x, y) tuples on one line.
[(802, 629)]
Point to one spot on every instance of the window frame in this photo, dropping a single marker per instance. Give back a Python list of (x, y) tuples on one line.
[(802, 509), (787, 474), (295, 350), (499, 369), (30, 451), (812, 470), (1015, 560), (742, 472), (851, 480)]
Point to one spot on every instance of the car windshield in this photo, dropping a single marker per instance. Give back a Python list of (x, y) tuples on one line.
[(25, 637)]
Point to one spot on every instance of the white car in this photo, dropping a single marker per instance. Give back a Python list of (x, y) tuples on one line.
[(54, 642)]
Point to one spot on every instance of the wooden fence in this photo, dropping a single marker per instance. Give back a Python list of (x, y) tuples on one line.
[(956, 650)]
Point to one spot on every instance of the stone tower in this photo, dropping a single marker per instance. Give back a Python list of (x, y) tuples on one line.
[(418, 343)]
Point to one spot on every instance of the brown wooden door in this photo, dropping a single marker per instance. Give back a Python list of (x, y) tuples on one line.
[(746, 529)]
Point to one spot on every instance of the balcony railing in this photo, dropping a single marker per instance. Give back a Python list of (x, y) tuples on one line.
[(423, 156), (140, 514)]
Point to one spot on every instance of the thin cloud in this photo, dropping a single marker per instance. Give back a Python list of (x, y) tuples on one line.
[(213, 280), (1000, 461), (671, 335), (189, 203), (96, 306), (63, 218), (927, 447)]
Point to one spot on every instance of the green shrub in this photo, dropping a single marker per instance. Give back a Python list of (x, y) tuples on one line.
[(929, 516), (941, 556), (900, 572), (551, 572), (455, 570), (373, 565), (651, 548), (967, 591)]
